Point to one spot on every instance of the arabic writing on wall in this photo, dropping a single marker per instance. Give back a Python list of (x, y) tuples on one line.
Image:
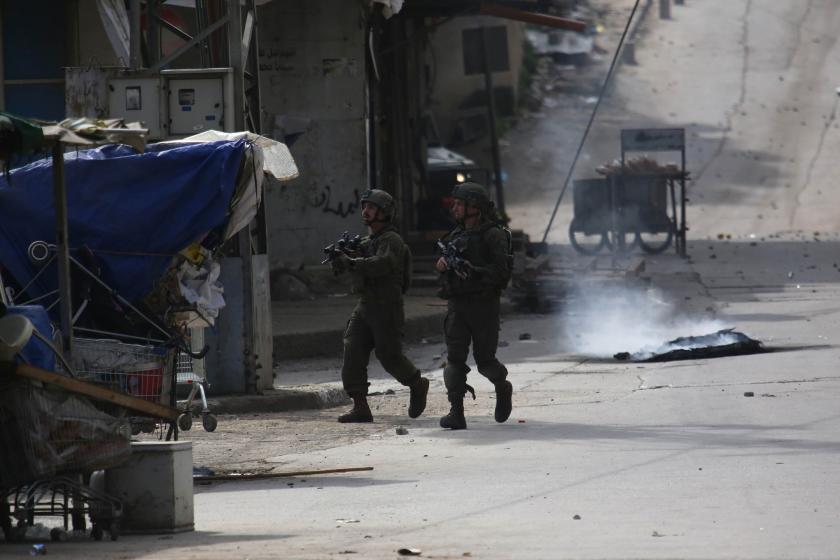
[(327, 205)]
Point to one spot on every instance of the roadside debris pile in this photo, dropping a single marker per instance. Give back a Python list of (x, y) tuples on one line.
[(641, 165), (726, 342)]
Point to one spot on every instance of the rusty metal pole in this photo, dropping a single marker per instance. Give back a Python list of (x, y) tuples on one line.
[(135, 58), (491, 118), (62, 248), (153, 37)]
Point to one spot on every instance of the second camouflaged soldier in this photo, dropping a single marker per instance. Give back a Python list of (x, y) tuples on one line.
[(381, 270), (473, 289)]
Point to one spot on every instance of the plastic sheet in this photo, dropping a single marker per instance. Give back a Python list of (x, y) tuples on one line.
[(134, 211), (45, 432)]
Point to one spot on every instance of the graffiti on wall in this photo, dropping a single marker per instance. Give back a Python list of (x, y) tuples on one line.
[(324, 201), (277, 59)]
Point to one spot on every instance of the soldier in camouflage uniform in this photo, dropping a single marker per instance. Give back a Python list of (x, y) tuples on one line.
[(380, 269), (473, 301)]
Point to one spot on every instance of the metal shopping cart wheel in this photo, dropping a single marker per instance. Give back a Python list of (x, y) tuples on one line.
[(209, 422), (185, 421)]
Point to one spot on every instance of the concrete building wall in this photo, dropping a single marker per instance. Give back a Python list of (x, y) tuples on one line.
[(312, 73), (451, 86)]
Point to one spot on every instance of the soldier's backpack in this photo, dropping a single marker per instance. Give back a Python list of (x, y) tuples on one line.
[(505, 281)]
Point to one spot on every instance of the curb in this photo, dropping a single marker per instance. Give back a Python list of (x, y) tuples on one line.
[(330, 342), (279, 400)]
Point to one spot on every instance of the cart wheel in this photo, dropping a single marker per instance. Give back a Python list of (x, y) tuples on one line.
[(622, 242), (58, 535), (209, 422), (96, 532), (586, 244), (654, 243), (185, 421), (114, 530)]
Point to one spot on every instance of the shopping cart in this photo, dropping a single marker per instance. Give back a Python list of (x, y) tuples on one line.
[(49, 439), (140, 370), (187, 373)]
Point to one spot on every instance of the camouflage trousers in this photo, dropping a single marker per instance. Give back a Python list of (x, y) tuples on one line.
[(378, 328), (473, 320)]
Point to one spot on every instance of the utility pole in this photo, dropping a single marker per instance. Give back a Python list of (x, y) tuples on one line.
[(491, 120)]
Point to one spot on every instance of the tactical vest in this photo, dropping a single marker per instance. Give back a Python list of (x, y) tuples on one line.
[(472, 246), (392, 285)]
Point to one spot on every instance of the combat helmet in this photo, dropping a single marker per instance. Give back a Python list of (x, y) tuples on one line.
[(473, 195), (383, 200)]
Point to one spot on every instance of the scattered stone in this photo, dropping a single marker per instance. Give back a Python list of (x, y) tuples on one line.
[(576, 517), (409, 552), (749, 394), (401, 430), (525, 336)]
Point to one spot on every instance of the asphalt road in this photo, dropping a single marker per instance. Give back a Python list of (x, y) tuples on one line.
[(607, 459)]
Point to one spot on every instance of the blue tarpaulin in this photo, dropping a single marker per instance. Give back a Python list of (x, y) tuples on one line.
[(133, 211)]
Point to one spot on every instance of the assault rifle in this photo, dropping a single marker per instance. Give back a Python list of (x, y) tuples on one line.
[(454, 261), (344, 244)]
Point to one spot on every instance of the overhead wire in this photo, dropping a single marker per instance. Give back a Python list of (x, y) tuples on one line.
[(591, 120)]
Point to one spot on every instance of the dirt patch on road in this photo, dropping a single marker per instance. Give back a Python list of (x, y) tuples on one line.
[(257, 443)]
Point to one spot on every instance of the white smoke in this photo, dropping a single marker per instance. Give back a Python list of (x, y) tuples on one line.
[(604, 320)]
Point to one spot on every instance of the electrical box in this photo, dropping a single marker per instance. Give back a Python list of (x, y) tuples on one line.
[(175, 103), (198, 100), (137, 99)]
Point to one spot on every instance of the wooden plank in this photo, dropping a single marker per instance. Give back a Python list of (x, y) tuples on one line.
[(263, 476), (94, 391)]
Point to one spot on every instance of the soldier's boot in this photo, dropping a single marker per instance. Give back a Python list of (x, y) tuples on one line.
[(504, 403), (360, 412), (455, 419), (417, 401)]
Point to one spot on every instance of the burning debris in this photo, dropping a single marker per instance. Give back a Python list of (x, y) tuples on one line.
[(726, 342)]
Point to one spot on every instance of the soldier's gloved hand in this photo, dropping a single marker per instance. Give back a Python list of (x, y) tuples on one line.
[(341, 263)]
